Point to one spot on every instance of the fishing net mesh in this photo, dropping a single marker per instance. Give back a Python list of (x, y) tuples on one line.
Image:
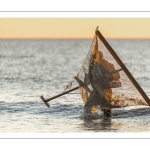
[(102, 79)]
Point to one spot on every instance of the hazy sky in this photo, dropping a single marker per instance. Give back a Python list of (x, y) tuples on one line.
[(74, 27)]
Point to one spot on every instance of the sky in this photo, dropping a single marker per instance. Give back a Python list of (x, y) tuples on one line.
[(119, 28)]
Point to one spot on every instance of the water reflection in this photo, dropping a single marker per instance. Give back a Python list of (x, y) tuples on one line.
[(98, 125)]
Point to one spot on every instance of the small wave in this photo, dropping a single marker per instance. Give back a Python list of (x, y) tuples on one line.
[(18, 107), (60, 109), (130, 111)]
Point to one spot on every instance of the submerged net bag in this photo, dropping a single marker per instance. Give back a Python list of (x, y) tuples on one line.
[(105, 79)]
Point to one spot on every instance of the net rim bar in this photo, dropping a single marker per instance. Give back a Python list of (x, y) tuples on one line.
[(110, 49)]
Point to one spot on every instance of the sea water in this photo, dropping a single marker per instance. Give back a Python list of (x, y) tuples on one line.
[(31, 68)]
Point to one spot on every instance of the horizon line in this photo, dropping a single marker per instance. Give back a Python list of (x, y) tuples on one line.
[(67, 38)]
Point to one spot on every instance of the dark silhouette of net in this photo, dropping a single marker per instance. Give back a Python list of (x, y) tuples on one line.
[(103, 81)]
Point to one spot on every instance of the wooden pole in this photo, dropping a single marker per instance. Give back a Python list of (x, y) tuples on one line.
[(45, 101), (123, 66)]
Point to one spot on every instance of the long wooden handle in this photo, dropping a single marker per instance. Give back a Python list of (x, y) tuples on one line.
[(62, 94), (47, 100)]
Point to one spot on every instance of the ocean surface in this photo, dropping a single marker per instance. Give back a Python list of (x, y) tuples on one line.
[(31, 68)]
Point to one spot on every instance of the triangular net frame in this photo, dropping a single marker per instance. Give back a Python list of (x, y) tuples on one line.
[(118, 87)]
